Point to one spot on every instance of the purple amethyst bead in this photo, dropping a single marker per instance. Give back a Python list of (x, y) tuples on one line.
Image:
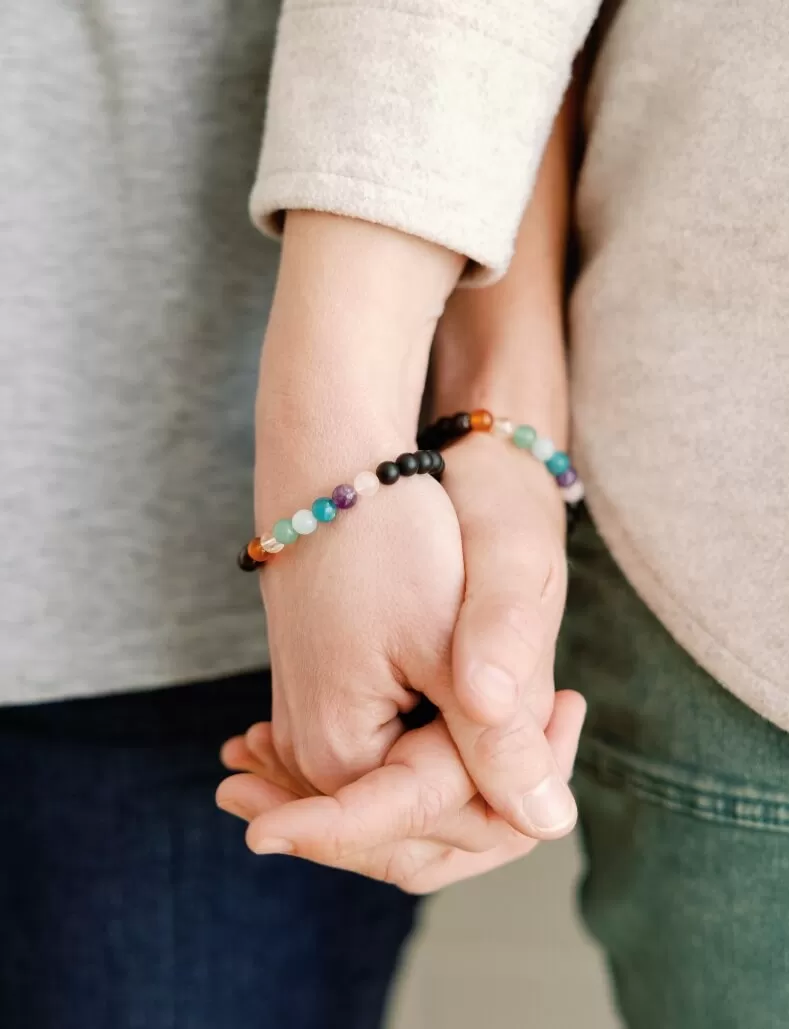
[(567, 478), (344, 497)]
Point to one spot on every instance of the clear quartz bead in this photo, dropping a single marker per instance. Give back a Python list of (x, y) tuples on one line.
[(503, 427), (573, 494), (304, 522), (272, 545), (543, 448), (366, 484)]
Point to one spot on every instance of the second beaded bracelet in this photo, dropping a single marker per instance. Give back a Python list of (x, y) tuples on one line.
[(446, 431), (426, 461)]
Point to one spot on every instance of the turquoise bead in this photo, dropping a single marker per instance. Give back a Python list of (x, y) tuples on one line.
[(524, 436), (324, 509), (284, 531), (558, 463)]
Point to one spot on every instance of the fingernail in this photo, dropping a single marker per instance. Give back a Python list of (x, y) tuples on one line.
[(550, 806), (273, 846), (493, 684)]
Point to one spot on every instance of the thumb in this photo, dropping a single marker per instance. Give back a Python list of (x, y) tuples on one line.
[(504, 632), (516, 581)]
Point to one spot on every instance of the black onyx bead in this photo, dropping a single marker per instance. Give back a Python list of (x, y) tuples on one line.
[(425, 459), (461, 423), (439, 467), (444, 431), (408, 464), (245, 562), (388, 473)]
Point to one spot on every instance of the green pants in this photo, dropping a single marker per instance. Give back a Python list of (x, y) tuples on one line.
[(684, 800)]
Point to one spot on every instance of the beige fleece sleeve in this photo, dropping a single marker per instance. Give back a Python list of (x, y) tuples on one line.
[(428, 116)]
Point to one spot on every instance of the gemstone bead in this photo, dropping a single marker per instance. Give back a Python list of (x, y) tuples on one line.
[(573, 494), (256, 551), (543, 448), (408, 464), (366, 484), (245, 562), (425, 459), (524, 437), (461, 423), (503, 427), (284, 531), (558, 463), (567, 477), (481, 421), (324, 509), (444, 425), (272, 545), (388, 473), (344, 496), (304, 522)]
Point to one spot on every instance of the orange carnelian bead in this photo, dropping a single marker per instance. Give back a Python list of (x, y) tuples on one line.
[(481, 421), (256, 551)]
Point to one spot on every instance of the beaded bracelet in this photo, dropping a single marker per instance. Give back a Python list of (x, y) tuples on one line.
[(448, 430), (426, 461)]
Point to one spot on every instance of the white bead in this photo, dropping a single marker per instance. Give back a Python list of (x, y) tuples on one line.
[(366, 484), (503, 427), (573, 493), (304, 522), (543, 449), (272, 546)]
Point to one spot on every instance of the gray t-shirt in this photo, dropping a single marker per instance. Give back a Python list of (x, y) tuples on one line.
[(133, 298)]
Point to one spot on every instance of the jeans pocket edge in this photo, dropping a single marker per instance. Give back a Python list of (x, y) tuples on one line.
[(684, 789)]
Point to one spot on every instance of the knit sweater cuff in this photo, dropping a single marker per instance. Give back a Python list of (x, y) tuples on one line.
[(428, 116)]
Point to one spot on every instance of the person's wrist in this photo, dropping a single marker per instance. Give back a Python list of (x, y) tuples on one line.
[(525, 384), (347, 346)]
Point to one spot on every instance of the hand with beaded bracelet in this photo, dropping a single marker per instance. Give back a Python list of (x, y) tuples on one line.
[(497, 491)]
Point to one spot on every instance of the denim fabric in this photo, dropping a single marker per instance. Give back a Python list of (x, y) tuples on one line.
[(128, 901), (684, 799)]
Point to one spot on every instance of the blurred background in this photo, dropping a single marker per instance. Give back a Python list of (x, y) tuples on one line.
[(507, 951)]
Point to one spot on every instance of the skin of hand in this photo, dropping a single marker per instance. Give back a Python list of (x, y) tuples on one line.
[(498, 697), (415, 822), (359, 622)]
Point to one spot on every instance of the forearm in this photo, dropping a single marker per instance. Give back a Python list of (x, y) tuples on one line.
[(503, 347), (346, 349)]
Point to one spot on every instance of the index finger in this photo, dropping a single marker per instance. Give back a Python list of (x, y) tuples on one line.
[(423, 780)]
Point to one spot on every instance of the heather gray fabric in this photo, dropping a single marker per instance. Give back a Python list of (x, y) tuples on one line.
[(133, 296), (134, 291)]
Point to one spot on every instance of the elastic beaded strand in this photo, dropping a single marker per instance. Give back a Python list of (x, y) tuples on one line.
[(325, 509), (446, 431)]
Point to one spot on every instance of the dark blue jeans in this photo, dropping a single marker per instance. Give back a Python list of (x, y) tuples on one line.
[(128, 901)]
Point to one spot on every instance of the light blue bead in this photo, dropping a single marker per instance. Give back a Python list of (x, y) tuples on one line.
[(324, 509), (558, 463), (543, 449), (524, 436)]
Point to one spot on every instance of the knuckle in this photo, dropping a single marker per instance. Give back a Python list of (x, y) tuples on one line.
[(428, 809)]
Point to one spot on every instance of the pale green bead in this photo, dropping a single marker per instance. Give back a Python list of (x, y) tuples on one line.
[(284, 531), (524, 436)]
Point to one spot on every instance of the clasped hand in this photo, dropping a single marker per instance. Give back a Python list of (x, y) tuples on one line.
[(455, 593)]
